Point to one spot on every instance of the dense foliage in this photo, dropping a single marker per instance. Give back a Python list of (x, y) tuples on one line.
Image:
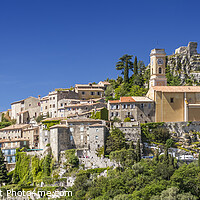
[(147, 179)]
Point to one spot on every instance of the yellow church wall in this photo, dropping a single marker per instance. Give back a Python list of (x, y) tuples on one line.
[(194, 114), (167, 111)]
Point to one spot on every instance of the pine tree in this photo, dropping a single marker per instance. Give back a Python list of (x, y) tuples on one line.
[(138, 151), (125, 64), (3, 170)]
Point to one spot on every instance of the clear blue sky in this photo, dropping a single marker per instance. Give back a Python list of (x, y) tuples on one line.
[(48, 44)]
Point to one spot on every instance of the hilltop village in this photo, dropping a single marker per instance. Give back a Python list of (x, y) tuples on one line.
[(81, 119)]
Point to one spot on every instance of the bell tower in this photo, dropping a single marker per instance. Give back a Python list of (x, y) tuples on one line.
[(157, 69)]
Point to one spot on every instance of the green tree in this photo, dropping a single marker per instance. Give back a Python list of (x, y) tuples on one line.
[(138, 151), (135, 66), (47, 165), (116, 140), (169, 143), (199, 160), (3, 170), (125, 64)]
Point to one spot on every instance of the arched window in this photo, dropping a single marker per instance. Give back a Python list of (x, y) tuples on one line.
[(160, 70), (152, 71)]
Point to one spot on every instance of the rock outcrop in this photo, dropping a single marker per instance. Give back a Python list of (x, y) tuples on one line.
[(185, 63)]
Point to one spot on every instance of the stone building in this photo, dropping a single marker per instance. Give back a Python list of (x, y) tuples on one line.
[(176, 103), (9, 147), (44, 106), (140, 109), (132, 130), (74, 134), (21, 131), (25, 109), (77, 109), (172, 103), (56, 96), (89, 91)]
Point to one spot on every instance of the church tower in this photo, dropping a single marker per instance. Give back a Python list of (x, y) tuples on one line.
[(157, 69)]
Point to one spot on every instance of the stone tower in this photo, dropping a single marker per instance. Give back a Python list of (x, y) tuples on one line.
[(157, 69)]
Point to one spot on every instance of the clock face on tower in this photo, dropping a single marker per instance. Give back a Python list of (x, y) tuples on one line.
[(160, 61)]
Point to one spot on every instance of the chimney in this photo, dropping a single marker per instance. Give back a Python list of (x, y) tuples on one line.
[(39, 97)]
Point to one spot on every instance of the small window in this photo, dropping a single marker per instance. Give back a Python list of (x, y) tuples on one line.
[(29, 105), (53, 98), (92, 93), (171, 100), (71, 129), (142, 105), (53, 105), (71, 137), (160, 70), (96, 137), (83, 93), (61, 104), (81, 128), (149, 106), (99, 93), (116, 114)]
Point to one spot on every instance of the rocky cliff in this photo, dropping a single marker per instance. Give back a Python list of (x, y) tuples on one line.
[(185, 64)]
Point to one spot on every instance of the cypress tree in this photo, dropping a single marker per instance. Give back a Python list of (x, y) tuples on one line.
[(166, 156), (135, 66), (199, 160), (3, 170), (157, 155), (138, 151)]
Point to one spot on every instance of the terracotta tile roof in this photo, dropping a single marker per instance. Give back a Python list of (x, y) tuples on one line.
[(177, 88), (54, 119), (142, 99), (59, 126), (16, 126), (83, 120), (113, 101), (126, 99), (96, 125), (13, 140), (91, 89), (82, 104)]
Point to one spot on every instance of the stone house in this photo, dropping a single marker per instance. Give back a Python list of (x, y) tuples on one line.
[(89, 91), (9, 147), (44, 106), (25, 109), (56, 96), (21, 131), (140, 109), (77, 109), (77, 134)]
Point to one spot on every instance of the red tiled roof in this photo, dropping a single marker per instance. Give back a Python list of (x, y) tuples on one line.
[(126, 99)]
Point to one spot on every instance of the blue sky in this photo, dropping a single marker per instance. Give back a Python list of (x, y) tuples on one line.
[(48, 44)]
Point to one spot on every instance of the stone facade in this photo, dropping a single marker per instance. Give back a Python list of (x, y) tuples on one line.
[(140, 109), (176, 103), (73, 134), (89, 91), (132, 130), (56, 96), (25, 110)]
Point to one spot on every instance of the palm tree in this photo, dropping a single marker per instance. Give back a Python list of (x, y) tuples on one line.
[(125, 64)]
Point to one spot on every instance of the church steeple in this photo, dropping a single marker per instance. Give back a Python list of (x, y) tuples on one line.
[(157, 69)]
